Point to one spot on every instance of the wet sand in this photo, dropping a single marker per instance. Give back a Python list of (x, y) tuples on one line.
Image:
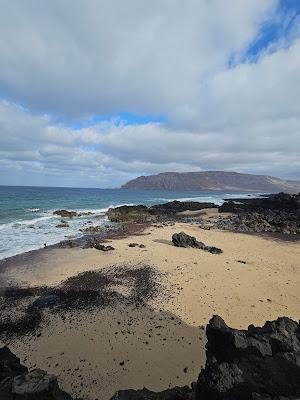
[(159, 344)]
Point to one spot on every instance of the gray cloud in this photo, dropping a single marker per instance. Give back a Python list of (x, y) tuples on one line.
[(68, 61), (77, 58)]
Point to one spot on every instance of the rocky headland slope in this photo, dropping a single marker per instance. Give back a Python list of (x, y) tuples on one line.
[(212, 180)]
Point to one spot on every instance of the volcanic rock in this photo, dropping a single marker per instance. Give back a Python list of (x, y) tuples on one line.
[(16, 383), (258, 363), (183, 240), (176, 393)]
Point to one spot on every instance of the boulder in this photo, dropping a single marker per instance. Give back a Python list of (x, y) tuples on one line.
[(102, 247), (9, 364), (37, 385), (131, 214), (16, 383), (65, 213), (183, 240), (255, 363)]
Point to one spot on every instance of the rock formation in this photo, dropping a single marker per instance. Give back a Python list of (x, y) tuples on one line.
[(17, 383), (159, 212), (183, 240), (275, 213), (212, 180), (258, 363), (253, 364)]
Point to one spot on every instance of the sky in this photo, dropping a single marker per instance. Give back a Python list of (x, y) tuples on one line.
[(95, 93)]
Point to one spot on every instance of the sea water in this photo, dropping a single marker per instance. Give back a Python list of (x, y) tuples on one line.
[(27, 221)]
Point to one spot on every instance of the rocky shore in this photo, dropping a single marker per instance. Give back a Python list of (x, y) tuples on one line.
[(273, 213), (137, 298), (260, 363)]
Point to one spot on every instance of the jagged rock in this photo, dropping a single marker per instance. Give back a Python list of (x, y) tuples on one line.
[(91, 229), (62, 225), (275, 213), (156, 213), (102, 247), (37, 385), (132, 214), (176, 393), (16, 383), (65, 213), (179, 206), (258, 363), (183, 240), (70, 214), (9, 364), (254, 364)]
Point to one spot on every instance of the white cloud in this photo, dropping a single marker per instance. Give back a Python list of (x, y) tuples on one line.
[(77, 59)]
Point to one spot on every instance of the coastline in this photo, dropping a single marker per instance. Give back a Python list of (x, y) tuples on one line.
[(194, 285), (134, 316)]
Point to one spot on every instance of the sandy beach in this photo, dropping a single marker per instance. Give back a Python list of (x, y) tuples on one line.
[(97, 352)]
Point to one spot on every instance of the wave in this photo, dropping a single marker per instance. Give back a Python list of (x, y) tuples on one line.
[(96, 210), (26, 222)]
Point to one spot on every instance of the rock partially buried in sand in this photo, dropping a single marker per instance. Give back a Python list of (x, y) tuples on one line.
[(101, 247), (183, 240)]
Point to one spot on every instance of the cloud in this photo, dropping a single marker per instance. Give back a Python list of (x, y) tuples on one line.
[(66, 64), (76, 58)]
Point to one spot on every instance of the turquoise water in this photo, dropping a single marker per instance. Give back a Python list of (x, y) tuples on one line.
[(27, 220)]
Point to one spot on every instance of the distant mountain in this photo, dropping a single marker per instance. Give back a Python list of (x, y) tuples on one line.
[(212, 180)]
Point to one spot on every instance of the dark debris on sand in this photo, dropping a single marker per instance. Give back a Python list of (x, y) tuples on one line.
[(84, 291)]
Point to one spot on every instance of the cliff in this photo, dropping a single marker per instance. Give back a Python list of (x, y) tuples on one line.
[(212, 180)]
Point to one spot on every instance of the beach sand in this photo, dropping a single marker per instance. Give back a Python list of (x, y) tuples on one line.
[(161, 344)]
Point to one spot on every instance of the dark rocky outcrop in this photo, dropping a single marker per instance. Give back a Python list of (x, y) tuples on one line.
[(9, 364), (102, 247), (254, 364), (65, 213), (71, 214), (275, 213), (159, 212), (133, 214), (176, 393), (258, 363), (17, 383), (178, 206), (183, 240)]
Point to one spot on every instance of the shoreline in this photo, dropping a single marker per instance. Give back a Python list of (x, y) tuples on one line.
[(134, 316)]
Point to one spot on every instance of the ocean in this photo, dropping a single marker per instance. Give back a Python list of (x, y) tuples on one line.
[(27, 220)]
